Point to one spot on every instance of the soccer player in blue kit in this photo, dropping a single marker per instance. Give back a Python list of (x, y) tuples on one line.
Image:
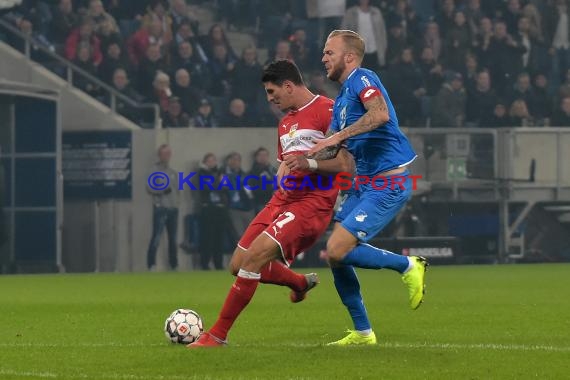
[(365, 122)]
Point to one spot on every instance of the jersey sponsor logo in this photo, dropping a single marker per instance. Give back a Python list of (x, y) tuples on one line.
[(299, 140), (365, 81), (361, 216), (343, 118)]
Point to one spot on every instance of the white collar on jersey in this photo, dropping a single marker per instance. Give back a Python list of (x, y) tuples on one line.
[(352, 72), (308, 104)]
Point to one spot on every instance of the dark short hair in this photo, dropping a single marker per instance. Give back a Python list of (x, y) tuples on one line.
[(278, 72)]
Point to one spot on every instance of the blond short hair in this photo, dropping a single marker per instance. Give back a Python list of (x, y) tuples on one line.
[(353, 41)]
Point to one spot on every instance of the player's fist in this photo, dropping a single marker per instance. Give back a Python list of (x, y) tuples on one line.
[(296, 162)]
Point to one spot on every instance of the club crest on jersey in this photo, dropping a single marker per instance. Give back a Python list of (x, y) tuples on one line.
[(361, 216), (293, 129), (365, 81)]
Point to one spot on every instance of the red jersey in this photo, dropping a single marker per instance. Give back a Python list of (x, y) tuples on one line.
[(296, 132)]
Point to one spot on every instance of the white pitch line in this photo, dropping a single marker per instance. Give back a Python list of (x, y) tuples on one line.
[(437, 346), (7, 372)]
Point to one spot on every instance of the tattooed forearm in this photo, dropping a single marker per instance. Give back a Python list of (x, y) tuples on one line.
[(375, 116), (327, 153)]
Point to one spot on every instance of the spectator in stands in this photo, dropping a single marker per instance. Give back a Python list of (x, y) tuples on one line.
[(482, 42), (107, 35), (511, 16), (205, 118), (534, 16), (240, 198), (481, 101), (408, 18), (161, 92), (457, 42), (175, 117), (562, 114), (84, 61), (262, 167), (533, 58), (84, 33), (216, 37), (236, 116), (407, 88), (396, 41), (188, 94), (164, 211), (100, 18), (120, 82), (185, 58), (185, 33), (432, 74), (432, 39), (318, 84), (113, 59), (446, 16), (557, 36), (245, 77), (63, 21), (500, 117), (474, 15), (449, 104), (26, 26), (282, 52), (150, 33), (222, 66), (148, 67), (520, 116), (329, 14), (157, 13), (523, 90), (180, 13), (214, 216), (303, 52), (470, 71), (368, 21), (506, 61), (543, 98)]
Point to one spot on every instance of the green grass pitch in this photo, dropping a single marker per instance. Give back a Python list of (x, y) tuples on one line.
[(478, 322)]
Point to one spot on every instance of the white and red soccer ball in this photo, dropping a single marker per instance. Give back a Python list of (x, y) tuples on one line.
[(183, 326)]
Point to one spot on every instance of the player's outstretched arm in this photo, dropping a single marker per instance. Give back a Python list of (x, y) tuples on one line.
[(376, 115), (342, 162)]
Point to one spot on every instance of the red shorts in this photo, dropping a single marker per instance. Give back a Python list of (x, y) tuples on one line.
[(294, 226)]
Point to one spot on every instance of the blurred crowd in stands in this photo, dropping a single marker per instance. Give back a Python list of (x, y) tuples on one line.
[(445, 63)]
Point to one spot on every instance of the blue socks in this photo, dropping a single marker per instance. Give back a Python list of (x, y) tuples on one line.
[(348, 289), (369, 257)]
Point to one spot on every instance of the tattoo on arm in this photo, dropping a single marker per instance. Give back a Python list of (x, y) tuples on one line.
[(375, 116), (329, 152)]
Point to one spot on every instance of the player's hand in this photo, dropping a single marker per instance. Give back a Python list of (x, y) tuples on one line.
[(321, 144), (296, 162)]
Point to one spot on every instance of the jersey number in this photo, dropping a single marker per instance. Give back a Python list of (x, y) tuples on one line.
[(369, 92), (289, 216)]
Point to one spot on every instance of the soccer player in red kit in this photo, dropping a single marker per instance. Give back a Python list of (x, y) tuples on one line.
[(296, 216)]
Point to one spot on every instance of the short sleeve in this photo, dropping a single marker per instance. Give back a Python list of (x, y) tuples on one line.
[(365, 87)]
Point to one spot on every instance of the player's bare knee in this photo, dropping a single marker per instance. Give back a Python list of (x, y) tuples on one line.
[(336, 250)]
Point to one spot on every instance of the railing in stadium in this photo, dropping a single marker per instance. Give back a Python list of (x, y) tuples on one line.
[(71, 70)]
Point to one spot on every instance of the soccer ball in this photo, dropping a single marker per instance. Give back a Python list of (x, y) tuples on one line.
[(183, 326)]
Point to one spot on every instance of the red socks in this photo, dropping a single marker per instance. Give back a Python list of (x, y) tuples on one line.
[(239, 296), (278, 273)]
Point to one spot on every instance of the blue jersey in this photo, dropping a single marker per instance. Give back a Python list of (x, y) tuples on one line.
[(381, 149)]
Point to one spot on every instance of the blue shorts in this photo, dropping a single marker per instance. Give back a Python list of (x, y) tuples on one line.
[(364, 212)]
